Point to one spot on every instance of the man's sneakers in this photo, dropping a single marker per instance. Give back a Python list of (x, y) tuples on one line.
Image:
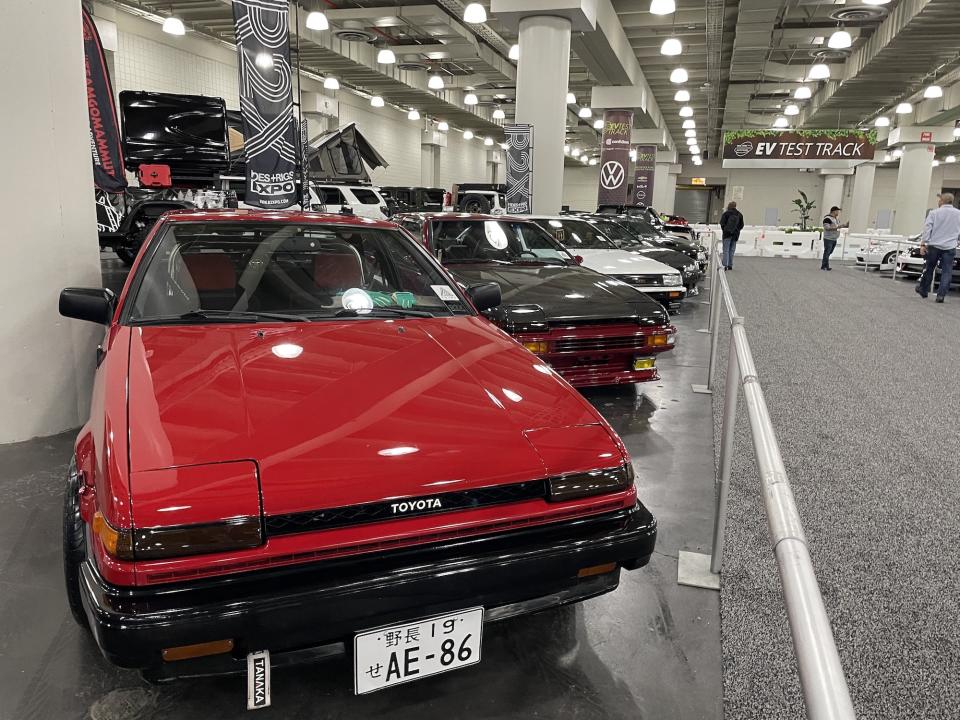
[(939, 299), (919, 292)]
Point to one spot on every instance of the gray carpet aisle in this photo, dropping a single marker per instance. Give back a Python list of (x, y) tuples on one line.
[(862, 379)]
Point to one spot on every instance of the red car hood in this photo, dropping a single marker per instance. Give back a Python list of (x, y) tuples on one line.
[(347, 412)]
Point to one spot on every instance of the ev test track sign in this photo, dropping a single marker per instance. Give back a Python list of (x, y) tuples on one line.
[(800, 145), (615, 157)]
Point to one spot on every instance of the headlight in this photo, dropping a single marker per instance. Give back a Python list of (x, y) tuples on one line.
[(593, 482), (170, 542), (701, 255), (672, 279)]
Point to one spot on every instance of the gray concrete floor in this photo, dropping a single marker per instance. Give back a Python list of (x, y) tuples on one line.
[(651, 649)]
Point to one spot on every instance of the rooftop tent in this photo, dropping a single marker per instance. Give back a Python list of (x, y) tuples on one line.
[(342, 154)]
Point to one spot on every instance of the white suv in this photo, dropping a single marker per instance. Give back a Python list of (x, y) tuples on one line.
[(364, 200)]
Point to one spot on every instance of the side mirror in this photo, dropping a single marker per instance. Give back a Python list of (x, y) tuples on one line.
[(484, 296), (93, 304)]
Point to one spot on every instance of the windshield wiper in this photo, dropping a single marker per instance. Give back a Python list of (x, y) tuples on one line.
[(347, 312), (223, 316)]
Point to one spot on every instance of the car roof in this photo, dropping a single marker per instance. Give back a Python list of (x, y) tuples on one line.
[(291, 216), (461, 216)]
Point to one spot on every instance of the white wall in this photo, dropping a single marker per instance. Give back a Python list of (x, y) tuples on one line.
[(149, 59), (580, 187), (50, 237)]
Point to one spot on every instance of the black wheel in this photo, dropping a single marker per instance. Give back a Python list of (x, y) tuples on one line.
[(74, 546), (475, 204)]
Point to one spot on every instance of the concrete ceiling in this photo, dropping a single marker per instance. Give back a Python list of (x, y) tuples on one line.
[(744, 58)]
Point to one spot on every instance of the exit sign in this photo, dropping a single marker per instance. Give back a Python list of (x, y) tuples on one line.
[(926, 137), (699, 181)]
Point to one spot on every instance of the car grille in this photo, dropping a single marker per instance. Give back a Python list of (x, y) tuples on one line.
[(599, 344), (641, 279), (326, 519)]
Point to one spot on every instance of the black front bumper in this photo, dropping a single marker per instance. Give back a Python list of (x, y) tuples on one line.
[(310, 611)]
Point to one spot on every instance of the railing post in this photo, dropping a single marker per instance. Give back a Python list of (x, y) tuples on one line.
[(727, 427), (715, 311)]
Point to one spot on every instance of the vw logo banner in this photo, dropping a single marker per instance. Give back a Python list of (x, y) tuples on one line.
[(615, 157), (644, 173), (266, 101), (519, 168)]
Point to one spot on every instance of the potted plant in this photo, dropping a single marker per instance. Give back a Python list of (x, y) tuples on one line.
[(804, 206)]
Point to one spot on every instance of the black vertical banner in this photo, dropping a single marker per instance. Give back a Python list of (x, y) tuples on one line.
[(644, 174), (104, 129), (519, 168), (615, 157), (266, 101)]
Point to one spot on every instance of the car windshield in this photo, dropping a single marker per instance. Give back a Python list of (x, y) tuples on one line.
[(576, 235), (620, 235), (639, 225), (495, 241), (244, 271)]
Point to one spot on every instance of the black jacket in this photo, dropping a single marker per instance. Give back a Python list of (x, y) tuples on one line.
[(731, 223)]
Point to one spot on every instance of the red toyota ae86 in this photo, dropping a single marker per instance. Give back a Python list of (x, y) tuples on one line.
[(305, 441)]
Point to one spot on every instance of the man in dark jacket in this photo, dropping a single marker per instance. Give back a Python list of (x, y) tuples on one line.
[(731, 223)]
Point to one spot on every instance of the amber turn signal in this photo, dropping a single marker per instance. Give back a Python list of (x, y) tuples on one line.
[(657, 340), (538, 347), (118, 543), (185, 652), (596, 570)]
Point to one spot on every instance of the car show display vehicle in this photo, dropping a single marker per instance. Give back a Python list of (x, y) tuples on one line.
[(882, 252), (489, 198), (911, 263), (362, 200), (414, 199), (643, 229), (592, 329), (659, 281), (306, 441)]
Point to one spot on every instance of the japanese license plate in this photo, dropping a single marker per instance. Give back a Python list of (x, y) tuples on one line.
[(398, 654)]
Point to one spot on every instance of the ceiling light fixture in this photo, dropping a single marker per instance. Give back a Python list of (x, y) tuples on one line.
[(566, 149), (888, 158), (585, 113), (803, 93), (386, 57), (575, 152), (435, 82), (488, 141), (695, 149), (583, 158), (686, 111), (781, 122), (840, 40), (331, 83), (819, 71), (413, 115), (936, 163), (691, 141), (679, 76), (468, 134), (474, 13), (875, 2), (956, 132), (174, 26), (690, 133), (593, 161), (504, 146), (882, 122), (376, 101), (514, 53), (498, 114), (791, 110), (470, 99), (662, 7), (898, 153), (671, 46), (571, 99), (443, 126), (904, 108), (316, 20), (598, 124), (633, 154), (951, 159), (689, 124), (682, 96), (933, 92)]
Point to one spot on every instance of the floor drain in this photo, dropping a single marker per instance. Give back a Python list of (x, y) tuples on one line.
[(123, 704)]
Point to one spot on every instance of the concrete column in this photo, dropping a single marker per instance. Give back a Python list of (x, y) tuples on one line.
[(50, 239), (859, 211), (542, 76), (832, 193), (913, 188)]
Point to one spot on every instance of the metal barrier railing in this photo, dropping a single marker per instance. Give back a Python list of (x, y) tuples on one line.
[(825, 690)]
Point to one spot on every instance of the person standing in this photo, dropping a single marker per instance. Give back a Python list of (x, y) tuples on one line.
[(731, 223), (939, 245), (831, 233)]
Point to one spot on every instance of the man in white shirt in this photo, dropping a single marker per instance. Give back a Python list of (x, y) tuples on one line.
[(938, 244)]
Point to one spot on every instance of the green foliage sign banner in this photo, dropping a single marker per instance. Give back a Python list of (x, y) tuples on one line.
[(799, 145)]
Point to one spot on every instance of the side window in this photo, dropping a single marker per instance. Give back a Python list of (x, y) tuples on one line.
[(414, 228), (331, 196), (365, 197)]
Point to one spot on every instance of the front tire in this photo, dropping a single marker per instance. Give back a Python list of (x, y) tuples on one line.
[(74, 546)]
